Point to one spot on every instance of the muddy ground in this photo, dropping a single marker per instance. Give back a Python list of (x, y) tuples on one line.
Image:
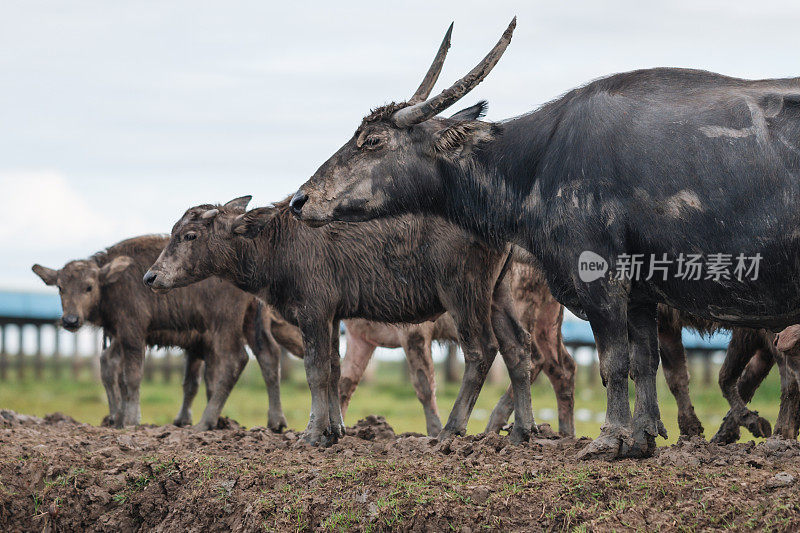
[(59, 475)]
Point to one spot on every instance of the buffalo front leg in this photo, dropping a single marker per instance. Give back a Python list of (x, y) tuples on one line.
[(317, 342), (643, 342), (676, 373), (417, 346), (111, 373), (606, 308), (356, 358), (334, 406), (191, 383)]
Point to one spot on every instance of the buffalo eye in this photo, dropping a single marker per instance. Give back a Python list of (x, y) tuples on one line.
[(372, 142), (190, 236), (88, 288)]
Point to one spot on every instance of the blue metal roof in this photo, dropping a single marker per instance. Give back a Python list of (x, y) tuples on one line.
[(33, 305), (579, 331)]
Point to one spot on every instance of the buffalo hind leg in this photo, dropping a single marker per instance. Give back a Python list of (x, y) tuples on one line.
[(515, 347), (744, 343), (268, 356), (111, 373), (132, 366), (676, 373), (223, 368), (191, 384), (417, 346), (356, 358), (479, 347), (786, 425)]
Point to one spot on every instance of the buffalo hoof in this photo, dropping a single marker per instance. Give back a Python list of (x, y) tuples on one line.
[(323, 439), (757, 425), (107, 422), (449, 433), (203, 425), (277, 423), (182, 420), (690, 425), (643, 445), (519, 435)]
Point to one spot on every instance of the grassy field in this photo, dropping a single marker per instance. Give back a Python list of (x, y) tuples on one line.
[(388, 394)]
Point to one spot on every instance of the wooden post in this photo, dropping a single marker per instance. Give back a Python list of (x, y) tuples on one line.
[(707, 369), (57, 353), (167, 369), (286, 364), (148, 364), (3, 353), (76, 362), (21, 354), (38, 360), (451, 363), (95, 361), (593, 370)]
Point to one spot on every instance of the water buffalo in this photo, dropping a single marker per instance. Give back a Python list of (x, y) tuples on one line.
[(105, 291), (408, 269), (665, 164)]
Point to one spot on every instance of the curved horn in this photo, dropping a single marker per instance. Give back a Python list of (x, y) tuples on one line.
[(425, 88), (414, 114)]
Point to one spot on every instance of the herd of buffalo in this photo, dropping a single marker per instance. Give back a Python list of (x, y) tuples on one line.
[(424, 228)]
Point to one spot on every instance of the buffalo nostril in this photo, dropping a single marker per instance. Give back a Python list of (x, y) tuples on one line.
[(297, 202), (69, 320), (149, 278)]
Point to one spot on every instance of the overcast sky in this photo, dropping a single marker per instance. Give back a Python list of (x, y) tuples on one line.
[(115, 117)]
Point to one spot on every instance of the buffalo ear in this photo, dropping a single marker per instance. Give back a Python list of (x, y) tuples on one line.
[(472, 112), (48, 275), (111, 272), (462, 136), (239, 203), (251, 223)]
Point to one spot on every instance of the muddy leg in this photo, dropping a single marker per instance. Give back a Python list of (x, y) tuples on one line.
[(515, 347), (191, 383), (643, 340), (676, 372), (224, 365), (744, 343), (420, 366), (110, 372), (268, 355), (334, 407), (132, 365), (356, 358), (317, 342), (786, 426), (479, 353), (607, 308)]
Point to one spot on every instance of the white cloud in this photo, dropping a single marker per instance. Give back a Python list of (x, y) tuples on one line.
[(40, 207)]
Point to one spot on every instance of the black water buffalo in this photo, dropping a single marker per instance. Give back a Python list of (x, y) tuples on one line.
[(669, 163)]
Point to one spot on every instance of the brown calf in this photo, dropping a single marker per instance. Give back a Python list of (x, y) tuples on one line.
[(106, 291), (404, 270)]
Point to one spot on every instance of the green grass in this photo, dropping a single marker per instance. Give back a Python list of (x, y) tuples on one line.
[(389, 394)]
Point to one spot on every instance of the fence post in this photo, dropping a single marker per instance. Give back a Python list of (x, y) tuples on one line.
[(707, 369), (451, 363), (286, 364), (3, 353), (21, 355), (76, 362), (57, 352), (167, 369), (148, 364), (38, 361)]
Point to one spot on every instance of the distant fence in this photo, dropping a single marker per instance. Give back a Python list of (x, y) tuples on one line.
[(31, 344)]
